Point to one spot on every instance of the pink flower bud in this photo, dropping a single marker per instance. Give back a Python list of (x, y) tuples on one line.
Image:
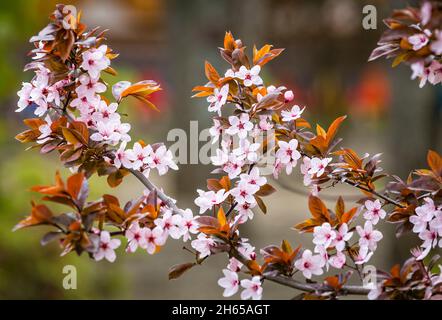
[(288, 96)]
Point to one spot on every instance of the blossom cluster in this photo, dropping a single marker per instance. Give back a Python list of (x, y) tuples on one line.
[(415, 37), (427, 223)]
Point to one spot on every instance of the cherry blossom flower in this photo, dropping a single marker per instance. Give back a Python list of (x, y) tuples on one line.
[(368, 236), (234, 265), (246, 249), (305, 167), (317, 166), (24, 96), (121, 158), (252, 288), (207, 199), (264, 124), (233, 166), (245, 211), (229, 282), (106, 133), (247, 150), (89, 87), (139, 155), (105, 113), (203, 244), (293, 114), (288, 96), (310, 264), (218, 99), (324, 235), (170, 223), (288, 154), (430, 239), (250, 77), (338, 260), (418, 41), (45, 131), (253, 178), (363, 255), (436, 45), (154, 237), (85, 104), (106, 247), (240, 126), (188, 225), (342, 236), (435, 72), (95, 61), (243, 193), (161, 159), (136, 237), (216, 130), (374, 211)]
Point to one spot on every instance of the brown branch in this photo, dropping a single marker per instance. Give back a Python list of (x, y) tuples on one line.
[(168, 201), (295, 284), (375, 193)]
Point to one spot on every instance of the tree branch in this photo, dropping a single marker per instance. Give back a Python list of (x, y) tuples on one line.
[(168, 201), (295, 284)]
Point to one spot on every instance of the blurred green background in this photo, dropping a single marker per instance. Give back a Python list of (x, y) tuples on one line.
[(325, 63)]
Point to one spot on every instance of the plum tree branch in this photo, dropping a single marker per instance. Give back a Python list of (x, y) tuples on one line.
[(295, 284)]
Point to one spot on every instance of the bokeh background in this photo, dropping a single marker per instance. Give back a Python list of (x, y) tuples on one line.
[(325, 63)]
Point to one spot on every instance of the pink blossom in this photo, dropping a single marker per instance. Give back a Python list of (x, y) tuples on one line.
[(246, 249), (288, 96), (106, 247), (234, 265), (253, 178), (229, 282), (89, 87), (418, 41), (95, 61), (161, 159), (243, 193), (104, 112), (170, 223), (207, 199), (436, 45), (435, 72), (374, 211), (188, 225), (247, 151), (310, 264), (216, 130), (24, 96), (121, 158), (203, 244), (245, 211), (338, 260), (252, 288), (317, 166), (240, 126), (288, 154), (45, 130), (264, 123), (369, 237), (363, 255), (250, 77), (85, 104), (324, 235), (136, 237), (293, 114), (139, 155), (342, 236), (106, 132), (154, 237), (305, 167), (218, 99)]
